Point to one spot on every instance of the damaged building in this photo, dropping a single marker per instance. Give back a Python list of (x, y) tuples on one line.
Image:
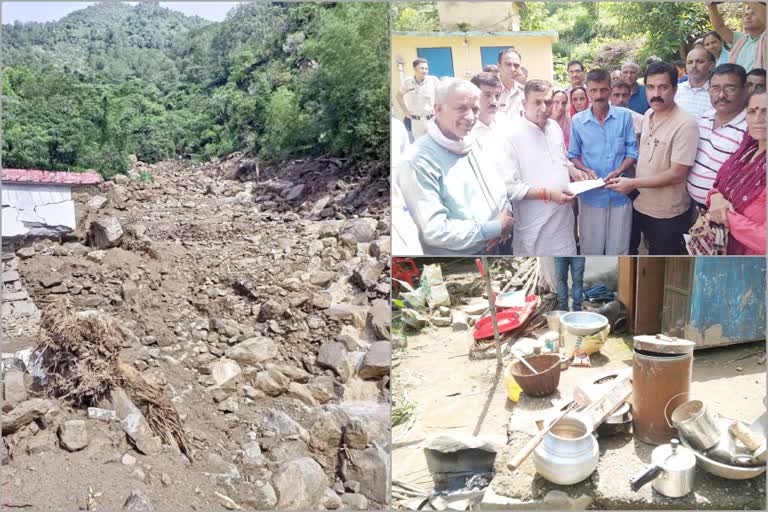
[(39, 203)]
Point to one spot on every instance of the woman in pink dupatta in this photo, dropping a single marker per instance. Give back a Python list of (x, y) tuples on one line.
[(560, 114), (737, 199)]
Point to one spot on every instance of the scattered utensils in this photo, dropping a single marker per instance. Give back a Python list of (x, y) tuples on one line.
[(727, 471)]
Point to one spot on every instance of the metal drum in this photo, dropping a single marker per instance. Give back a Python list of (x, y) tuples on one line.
[(661, 379)]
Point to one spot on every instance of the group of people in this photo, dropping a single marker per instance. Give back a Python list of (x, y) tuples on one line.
[(497, 161)]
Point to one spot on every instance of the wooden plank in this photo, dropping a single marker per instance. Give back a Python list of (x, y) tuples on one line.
[(627, 270), (649, 294)]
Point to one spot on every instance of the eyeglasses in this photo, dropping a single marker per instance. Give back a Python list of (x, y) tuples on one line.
[(729, 90)]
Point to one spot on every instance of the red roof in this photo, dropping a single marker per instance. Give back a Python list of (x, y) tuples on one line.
[(50, 177)]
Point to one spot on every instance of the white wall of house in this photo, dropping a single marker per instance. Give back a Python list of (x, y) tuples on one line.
[(37, 209)]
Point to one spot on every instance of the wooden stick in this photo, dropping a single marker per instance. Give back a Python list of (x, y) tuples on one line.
[(492, 307)]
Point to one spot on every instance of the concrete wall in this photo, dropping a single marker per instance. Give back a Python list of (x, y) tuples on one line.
[(31, 209), (536, 48), (487, 16)]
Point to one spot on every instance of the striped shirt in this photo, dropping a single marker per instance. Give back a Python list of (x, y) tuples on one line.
[(715, 147)]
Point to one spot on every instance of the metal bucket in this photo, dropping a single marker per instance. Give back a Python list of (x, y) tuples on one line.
[(659, 381), (695, 422)]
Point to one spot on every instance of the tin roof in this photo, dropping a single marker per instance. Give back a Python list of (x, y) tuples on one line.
[(49, 177)]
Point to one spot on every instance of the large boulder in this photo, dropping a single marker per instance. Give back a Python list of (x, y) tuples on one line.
[(272, 382), (376, 361), (371, 469), (380, 319), (326, 431), (259, 495), (226, 373), (25, 413), (333, 356), (105, 233), (300, 485), (277, 426), (253, 351), (363, 229), (73, 435)]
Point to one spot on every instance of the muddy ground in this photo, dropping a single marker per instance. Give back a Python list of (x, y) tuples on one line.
[(258, 299)]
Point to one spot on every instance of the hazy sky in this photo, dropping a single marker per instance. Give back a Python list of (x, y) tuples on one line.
[(49, 11)]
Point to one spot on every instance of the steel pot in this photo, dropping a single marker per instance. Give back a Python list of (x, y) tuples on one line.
[(568, 453), (672, 470)]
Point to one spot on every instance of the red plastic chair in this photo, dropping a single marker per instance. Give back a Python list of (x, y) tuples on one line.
[(404, 269)]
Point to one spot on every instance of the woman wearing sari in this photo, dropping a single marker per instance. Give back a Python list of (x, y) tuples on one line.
[(560, 114), (737, 199), (579, 100)]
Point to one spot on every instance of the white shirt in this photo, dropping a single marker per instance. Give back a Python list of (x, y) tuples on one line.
[(405, 235), (494, 143), (694, 100), (538, 158), (420, 96), (715, 147), (511, 102)]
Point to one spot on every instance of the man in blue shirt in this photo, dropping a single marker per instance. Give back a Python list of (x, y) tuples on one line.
[(603, 144), (637, 99)]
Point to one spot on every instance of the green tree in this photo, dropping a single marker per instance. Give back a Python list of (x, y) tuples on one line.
[(670, 28), (415, 17), (351, 85)]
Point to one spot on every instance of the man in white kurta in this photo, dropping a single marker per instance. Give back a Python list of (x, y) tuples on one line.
[(544, 220), (405, 235), (492, 131)]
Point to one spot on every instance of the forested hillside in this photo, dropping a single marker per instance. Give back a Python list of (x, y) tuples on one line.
[(276, 81)]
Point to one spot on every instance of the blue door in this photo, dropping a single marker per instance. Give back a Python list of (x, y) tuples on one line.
[(440, 60), (490, 54), (727, 300)]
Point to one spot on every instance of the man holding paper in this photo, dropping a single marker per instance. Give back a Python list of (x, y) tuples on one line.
[(604, 145), (540, 175)]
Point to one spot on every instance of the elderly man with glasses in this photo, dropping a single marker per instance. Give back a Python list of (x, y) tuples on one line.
[(721, 129)]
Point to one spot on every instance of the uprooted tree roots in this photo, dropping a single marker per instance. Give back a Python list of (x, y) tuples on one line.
[(158, 410), (81, 361), (80, 354)]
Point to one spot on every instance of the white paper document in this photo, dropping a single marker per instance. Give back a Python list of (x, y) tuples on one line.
[(577, 187)]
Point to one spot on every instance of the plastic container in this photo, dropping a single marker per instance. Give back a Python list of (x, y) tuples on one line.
[(513, 388)]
